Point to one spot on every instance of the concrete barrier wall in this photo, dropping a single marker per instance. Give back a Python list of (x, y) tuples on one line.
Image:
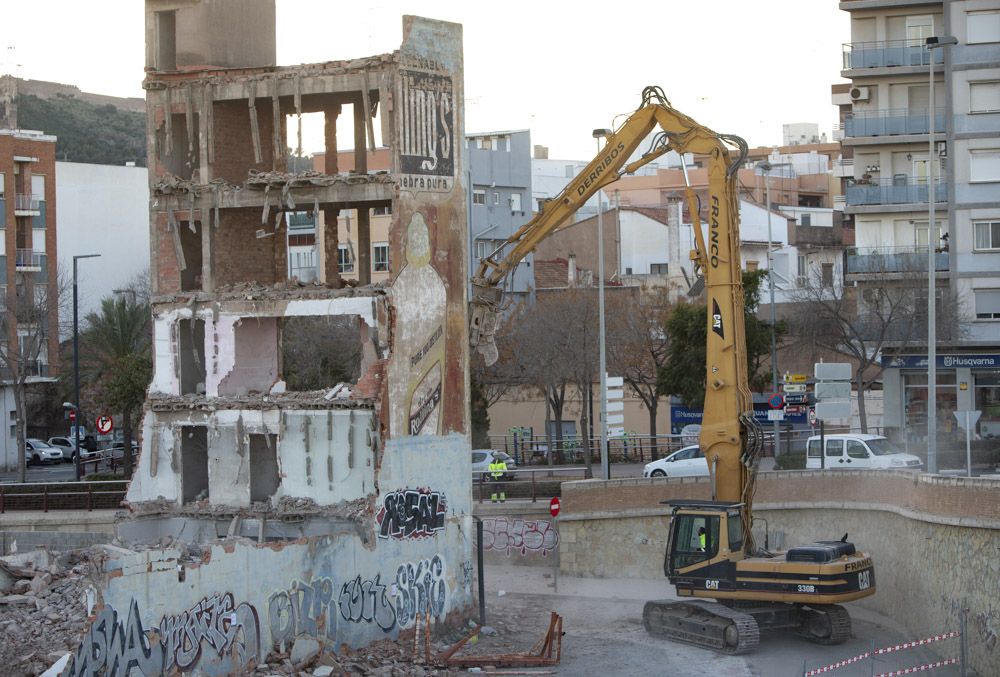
[(519, 536), (61, 530), (935, 541)]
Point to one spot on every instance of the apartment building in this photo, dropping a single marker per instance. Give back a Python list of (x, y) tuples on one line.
[(887, 131)]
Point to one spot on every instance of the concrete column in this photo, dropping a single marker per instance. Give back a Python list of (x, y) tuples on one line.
[(327, 244), (360, 138), (364, 245), (330, 138), (204, 222)]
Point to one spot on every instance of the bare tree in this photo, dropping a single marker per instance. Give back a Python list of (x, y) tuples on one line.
[(30, 314), (637, 348), (886, 309)]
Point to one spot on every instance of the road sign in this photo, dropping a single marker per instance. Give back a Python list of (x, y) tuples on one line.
[(616, 432), (793, 409), (832, 371), (776, 401), (833, 390), (776, 415), (796, 378), (554, 506), (794, 387), (812, 417), (615, 381), (104, 424), (615, 419), (616, 406), (72, 414), (796, 398), (835, 409)]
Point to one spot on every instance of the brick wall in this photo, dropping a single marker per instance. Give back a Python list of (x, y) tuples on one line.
[(238, 255), (233, 143)]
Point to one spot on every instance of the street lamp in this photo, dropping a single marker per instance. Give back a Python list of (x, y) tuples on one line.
[(932, 43), (76, 363), (605, 468), (766, 168)]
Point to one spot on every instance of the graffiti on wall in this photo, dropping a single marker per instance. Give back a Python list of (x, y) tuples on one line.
[(420, 588), (411, 514), (112, 647), (365, 601), (467, 574), (535, 537), (306, 608)]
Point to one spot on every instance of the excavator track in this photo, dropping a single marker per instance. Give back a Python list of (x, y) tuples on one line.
[(705, 624), (826, 624)]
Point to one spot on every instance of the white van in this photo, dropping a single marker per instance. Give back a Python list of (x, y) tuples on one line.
[(859, 451)]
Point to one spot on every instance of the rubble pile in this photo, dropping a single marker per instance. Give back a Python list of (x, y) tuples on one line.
[(43, 609), (384, 658)]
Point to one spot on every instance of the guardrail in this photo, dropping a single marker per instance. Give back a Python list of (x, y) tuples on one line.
[(46, 496), (515, 489), (871, 654)]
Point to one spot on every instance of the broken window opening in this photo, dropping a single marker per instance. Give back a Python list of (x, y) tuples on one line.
[(189, 233), (194, 464), (166, 40), (179, 149), (304, 138), (264, 476), (191, 356), (255, 362), (320, 352)]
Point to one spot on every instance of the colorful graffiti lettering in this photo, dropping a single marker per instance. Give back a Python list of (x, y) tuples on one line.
[(304, 609), (113, 648), (523, 536), (420, 588), (366, 601), (215, 621), (411, 514)]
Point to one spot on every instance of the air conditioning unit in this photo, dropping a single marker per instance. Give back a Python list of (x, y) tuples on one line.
[(860, 94)]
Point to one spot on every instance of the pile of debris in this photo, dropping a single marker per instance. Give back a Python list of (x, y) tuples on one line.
[(43, 608), (384, 658)]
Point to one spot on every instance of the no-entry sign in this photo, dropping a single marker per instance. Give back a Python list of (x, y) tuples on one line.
[(554, 506), (104, 424)]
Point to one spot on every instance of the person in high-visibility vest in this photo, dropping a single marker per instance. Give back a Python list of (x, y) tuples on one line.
[(701, 538), (498, 468)]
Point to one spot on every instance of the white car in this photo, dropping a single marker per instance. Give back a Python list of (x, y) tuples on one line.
[(36, 451), (686, 462), (481, 459), (67, 445), (850, 451)]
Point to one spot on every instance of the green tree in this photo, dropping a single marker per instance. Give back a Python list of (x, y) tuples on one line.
[(118, 360), (684, 373), (480, 414)]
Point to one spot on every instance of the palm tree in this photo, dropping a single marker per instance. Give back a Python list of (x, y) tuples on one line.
[(117, 346)]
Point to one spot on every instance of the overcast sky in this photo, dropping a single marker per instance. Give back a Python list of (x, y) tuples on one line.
[(559, 69)]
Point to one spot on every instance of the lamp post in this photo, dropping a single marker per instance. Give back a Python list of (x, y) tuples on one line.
[(76, 364), (605, 467), (766, 168), (932, 43)]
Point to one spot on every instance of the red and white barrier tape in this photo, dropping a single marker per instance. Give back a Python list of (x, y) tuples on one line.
[(919, 668), (889, 649), (920, 642)]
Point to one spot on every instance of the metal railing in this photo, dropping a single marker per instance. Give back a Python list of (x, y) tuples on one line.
[(106, 495), (633, 448), (892, 121), (900, 189), (521, 489), (883, 53), (28, 258), (26, 202)]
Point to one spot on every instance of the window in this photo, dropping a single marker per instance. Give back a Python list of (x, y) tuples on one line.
[(805, 219), (987, 304), (920, 232), (380, 257), (918, 29), (734, 525), (856, 449), (515, 202), (384, 210), (827, 273), (657, 269), (687, 532), (486, 247), (982, 26), (802, 277), (984, 97), (1, 185), (496, 197), (987, 235), (345, 260), (478, 196), (984, 165), (751, 266)]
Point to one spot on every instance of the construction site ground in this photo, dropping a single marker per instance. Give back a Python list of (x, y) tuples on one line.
[(602, 622)]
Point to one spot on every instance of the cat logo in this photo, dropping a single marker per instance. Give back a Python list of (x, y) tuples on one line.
[(717, 320), (711, 585)]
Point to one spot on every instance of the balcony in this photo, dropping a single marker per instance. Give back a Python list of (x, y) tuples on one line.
[(887, 53), (300, 220), (843, 168), (895, 191), (891, 122), (879, 260), (26, 205), (29, 260)]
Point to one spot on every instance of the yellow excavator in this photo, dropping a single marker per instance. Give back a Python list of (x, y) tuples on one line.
[(735, 588)]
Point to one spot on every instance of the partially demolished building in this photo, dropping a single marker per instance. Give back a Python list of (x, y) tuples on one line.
[(261, 517)]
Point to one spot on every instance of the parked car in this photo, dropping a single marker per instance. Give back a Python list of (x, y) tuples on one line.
[(481, 459), (36, 451), (848, 451), (67, 446), (686, 462), (116, 452)]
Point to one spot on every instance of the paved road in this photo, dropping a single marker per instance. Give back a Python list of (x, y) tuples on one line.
[(56, 472), (604, 633)]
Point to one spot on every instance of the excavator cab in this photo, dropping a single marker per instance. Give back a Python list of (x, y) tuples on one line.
[(706, 539)]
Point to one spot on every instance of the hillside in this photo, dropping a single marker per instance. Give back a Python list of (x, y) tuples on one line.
[(86, 132)]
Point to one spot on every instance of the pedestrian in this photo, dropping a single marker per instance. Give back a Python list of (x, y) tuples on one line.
[(498, 468)]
